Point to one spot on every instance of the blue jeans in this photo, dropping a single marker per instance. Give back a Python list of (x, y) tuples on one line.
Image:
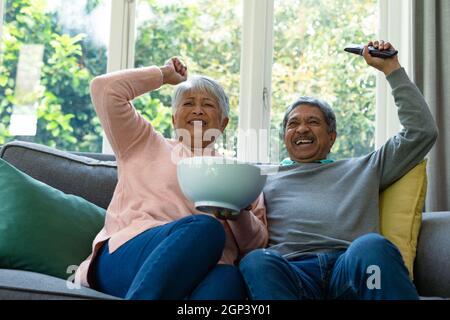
[(174, 261), (371, 268)]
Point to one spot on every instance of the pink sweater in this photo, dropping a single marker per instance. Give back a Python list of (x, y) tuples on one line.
[(147, 193)]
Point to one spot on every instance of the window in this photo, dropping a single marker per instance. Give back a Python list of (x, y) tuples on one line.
[(309, 37), (206, 34), (51, 49), (50, 52), (308, 58)]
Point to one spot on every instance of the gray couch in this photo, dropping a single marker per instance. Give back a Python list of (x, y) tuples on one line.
[(93, 177)]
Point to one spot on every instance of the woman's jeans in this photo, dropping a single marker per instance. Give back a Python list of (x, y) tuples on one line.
[(371, 268), (177, 260)]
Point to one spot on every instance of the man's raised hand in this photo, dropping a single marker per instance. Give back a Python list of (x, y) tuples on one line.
[(386, 65)]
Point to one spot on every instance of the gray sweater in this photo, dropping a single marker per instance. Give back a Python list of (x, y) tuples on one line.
[(315, 207)]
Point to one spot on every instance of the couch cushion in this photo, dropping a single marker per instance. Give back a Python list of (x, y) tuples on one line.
[(25, 285), (43, 229), (91, 179), (432, 266), (401, 212)]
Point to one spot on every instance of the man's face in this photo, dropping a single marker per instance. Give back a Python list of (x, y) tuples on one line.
[(199, 113), (306, 137)]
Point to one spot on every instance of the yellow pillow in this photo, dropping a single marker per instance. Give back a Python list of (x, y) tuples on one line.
[(401, 207)]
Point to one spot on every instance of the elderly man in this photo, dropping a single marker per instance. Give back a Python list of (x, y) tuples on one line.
[(155, 244), (323, 215)]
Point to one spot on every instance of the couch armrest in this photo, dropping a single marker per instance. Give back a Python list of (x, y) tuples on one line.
[(432, 265)]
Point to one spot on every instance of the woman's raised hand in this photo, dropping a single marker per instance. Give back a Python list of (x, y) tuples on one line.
[(174, 71)]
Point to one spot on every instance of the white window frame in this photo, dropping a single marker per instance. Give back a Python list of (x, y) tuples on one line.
[(256, 65), (121, 43), (121, 40), (256, 81), (395, 25), (396, 21)]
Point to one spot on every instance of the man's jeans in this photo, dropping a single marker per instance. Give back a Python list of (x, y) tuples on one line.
[(174, 261), (371, 268)]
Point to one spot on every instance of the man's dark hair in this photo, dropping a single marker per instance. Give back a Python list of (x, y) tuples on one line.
[(327, 111)]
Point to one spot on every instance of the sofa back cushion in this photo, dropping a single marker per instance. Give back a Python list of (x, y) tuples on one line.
[(401, 208), (91, 179)]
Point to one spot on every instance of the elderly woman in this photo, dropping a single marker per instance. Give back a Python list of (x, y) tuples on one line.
[(155, 244)]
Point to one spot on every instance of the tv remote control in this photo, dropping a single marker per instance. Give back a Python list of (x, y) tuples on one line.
[(358, 49)]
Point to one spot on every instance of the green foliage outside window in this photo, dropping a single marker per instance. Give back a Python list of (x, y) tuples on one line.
[(308, 60), (66, 118)]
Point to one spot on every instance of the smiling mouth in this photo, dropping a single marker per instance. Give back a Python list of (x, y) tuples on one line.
[(303, 142), (199, 123)]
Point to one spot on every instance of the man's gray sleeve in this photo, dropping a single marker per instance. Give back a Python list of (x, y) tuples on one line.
[(418, 135)]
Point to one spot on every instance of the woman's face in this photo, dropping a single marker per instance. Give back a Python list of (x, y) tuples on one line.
[(198, 119)]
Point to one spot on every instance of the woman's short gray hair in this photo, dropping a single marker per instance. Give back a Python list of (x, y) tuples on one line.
[(202, 84), (327, 111)]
